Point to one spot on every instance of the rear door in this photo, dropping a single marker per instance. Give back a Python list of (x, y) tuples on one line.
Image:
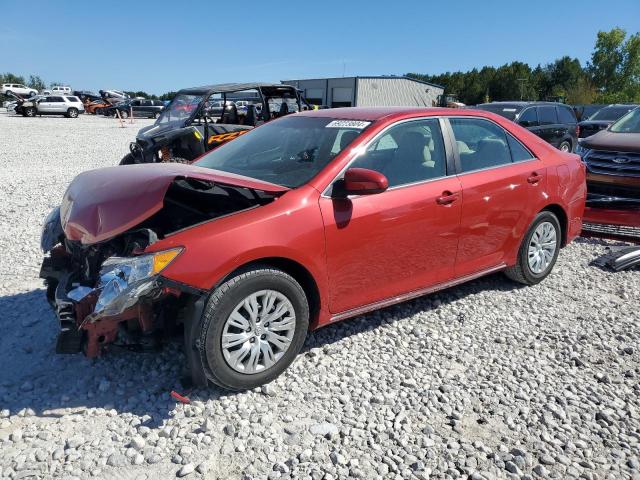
[(550, 130), (498, 176)]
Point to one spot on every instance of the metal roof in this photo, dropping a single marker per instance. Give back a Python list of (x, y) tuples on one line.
[(389, 77)]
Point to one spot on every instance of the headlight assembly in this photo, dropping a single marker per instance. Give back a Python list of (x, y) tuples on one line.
[(124, 280)]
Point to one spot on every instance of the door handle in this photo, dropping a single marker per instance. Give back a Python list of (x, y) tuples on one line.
[(534, 178), (447, 198)]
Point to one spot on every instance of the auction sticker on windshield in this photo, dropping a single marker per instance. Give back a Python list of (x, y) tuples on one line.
[(359, 124)]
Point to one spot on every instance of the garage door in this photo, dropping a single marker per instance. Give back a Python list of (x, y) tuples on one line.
[(314, 96), (341, 97)]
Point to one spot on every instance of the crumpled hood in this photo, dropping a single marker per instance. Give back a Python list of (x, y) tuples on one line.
[(100, 204)]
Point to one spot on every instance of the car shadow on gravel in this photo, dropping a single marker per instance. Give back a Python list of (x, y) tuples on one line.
[(33, 376), (370, 321)]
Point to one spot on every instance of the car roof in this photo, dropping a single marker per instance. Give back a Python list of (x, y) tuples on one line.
[(522, 103), (373, 114)]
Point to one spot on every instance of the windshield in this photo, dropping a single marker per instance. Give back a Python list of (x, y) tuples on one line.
[(180, 108), (289, 151), (507, 111), (611, 113), (630, 123)]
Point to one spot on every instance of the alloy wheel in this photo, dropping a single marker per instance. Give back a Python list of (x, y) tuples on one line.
[(258, 331), (542, 247)]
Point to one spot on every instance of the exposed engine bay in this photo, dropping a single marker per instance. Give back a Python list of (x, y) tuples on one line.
[(110, 291)]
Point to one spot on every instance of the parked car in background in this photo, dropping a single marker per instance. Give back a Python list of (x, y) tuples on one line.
[(603, 118), (612, 157), (307, 220), (96, 106), (17, 89), (555, 123), (585, 111), (139, 108), (70, 107), (86, 96), (58, 90), (113, 96)]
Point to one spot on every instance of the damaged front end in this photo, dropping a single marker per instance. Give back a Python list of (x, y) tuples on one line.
[(103, 283), (105, 293)]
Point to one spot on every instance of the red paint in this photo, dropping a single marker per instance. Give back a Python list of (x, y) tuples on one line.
[(364, 250), (627, 217), (122, 197)]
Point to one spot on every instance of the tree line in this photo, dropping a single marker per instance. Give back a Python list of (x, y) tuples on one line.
[(611, 76)]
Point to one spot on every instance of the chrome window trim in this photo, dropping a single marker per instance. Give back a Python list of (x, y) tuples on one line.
[(340, 174)]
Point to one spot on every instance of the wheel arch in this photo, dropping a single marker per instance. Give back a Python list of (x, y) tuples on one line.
[(291, 267), (559, 212)]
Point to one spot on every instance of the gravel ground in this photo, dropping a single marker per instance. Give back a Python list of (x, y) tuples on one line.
[(487, 380)]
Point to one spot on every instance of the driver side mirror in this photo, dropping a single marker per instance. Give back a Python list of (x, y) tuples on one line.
[(362, 181)]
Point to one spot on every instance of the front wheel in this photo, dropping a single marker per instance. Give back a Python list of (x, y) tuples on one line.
[(565, 146), (252, 328), (123, 114), (539, 250), (30, 112), (156, 115)]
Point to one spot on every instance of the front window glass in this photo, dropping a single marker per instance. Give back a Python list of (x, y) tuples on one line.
[(611, 113), (288, 152), (481, 144), (180, 108), (529, 118), (407, 153), (630, 123)]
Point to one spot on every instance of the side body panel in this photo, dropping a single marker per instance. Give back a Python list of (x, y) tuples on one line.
[(390, 243)]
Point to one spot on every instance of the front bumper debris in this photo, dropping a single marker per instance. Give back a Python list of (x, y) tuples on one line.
[(82, 325), (612, 217)]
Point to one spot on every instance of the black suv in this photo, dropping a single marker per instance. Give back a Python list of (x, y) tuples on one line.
[(139, 108), (603, 118), (555, 123)]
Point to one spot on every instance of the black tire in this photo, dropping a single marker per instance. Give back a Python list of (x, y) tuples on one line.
[(565, 146), (9, 92), (221, 304), (128, 159), (72, 113), (521, 272), (123, 114), (31, 94), (29, 112)]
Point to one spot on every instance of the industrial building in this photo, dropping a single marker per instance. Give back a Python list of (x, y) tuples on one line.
[(384, 91)]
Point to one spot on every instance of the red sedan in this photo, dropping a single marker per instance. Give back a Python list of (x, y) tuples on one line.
[(304, 221)]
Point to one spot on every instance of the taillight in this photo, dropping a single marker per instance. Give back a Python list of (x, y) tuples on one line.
[(578, 131)]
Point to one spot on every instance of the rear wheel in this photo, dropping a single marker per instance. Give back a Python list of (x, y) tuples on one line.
[(156, 115), (539, 250), (72, 113), (123, 114), (252, 328), (565, 146)]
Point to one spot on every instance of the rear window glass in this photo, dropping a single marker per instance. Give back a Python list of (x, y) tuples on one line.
[(547, 115), (566, 115)]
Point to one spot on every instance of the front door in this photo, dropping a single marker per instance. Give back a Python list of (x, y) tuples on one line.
[(404, 239), (498, 176)]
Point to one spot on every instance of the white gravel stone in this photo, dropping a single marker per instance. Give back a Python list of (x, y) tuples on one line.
[(485, 380)]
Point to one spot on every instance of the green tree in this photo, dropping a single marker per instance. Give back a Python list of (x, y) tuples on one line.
[(36, 82), (615, 66)]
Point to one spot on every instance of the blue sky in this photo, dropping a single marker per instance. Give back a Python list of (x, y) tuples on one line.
[(161, 45)]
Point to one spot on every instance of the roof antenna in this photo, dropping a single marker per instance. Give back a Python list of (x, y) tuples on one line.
[(344, 68)]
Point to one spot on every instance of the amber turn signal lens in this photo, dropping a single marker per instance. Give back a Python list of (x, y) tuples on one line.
[(162, 259)]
